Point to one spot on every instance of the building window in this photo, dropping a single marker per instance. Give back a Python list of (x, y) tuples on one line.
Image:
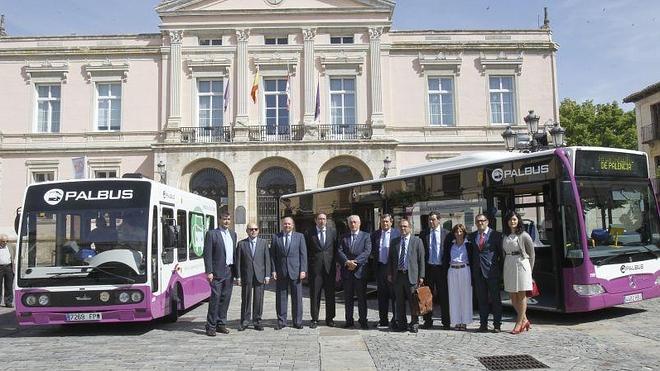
[(441, 101), (101, 174), (501, 99), (342, 101), (108, 106), (655, 114), (48, 108), (277, 112), (210, 42), (342, 40), (43, 176), (210, 102), (277, 40)]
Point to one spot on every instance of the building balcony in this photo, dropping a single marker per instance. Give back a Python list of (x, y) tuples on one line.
[(272, 133), (650, 133), (344, 132), (209, 134)]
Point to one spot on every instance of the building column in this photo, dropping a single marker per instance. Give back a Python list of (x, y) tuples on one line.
[(377, 120), (242, 86), (174, 117), (310, 87)]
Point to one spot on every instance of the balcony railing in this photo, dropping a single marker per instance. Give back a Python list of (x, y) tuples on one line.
[(650, 133), (344, 132), (282, 133), (208, 134)]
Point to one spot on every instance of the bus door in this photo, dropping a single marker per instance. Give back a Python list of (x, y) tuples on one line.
[(537, 205), (169, 244)]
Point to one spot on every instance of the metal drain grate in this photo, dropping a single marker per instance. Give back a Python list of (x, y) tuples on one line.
[(514, 362)]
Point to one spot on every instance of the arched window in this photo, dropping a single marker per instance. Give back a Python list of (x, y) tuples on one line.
[(211, 183), (271, 184), (342, 175)]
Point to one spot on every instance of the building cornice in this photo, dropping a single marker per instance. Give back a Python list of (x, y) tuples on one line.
[(78, 51)]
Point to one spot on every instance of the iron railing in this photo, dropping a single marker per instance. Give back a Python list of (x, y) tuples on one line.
[(206, 134), (344, 132), (281, 133)]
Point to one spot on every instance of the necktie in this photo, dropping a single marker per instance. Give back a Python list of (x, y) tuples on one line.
[(322, 239), (384, 246), (434, 248), (286, 242), (252, 247), (402, 257), (482, 241)]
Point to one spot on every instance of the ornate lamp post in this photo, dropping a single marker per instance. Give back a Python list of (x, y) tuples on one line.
[(538, 138), (162, 171), (386, 167)]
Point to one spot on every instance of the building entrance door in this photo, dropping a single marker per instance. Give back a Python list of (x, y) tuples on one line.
[(271, 184)]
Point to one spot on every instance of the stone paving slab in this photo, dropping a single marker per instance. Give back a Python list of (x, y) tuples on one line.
[(620, 338)]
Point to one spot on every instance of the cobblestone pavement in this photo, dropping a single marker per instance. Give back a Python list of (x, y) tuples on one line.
[(621, 338)]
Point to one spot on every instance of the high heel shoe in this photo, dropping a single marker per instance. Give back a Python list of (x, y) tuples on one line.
[(526, 326), (516, 330)]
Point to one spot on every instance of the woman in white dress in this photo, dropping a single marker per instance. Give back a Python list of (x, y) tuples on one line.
[(459, 282), (518, 264)]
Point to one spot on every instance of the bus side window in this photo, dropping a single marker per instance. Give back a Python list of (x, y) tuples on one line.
[(168, 235), (154, 251), (182, 238)]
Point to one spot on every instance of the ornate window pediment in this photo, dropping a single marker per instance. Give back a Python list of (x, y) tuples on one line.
[(205, 65), (505, 62), (283, 63), (47, 70), (343, 62), (441, 61), (106, 69)]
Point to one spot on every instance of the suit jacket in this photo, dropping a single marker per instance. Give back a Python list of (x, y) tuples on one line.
[(321, 257), (288, 262), (215, 259), (359, 252), (249, 267), (416, 262), (444, 236), (487, 262), (375, 242)]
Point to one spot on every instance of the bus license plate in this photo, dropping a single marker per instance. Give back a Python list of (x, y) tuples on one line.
[(82, 317), (632, 298)]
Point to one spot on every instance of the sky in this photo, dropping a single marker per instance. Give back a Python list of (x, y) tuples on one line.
[(608, 49)]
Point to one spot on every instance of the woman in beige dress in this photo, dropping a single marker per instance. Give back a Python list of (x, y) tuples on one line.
[(518, 263)]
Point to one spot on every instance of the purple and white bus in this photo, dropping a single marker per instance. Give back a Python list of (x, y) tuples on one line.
[(592, 213), (110, 250)]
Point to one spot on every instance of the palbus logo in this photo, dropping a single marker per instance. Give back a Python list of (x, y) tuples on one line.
[(54, 196), (497, 175)]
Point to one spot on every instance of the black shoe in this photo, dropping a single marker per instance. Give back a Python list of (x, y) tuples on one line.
[(497, 329), (414, 328), (279, 327), (393, 325), (383, 323), (445, 327), (242, 328), (210, 332), (258, 327), (400, 329), (298, 327), (330, 323), (427, 325), (222, 329), (483, 328), (314, 324), (364, 326), (349, 325)]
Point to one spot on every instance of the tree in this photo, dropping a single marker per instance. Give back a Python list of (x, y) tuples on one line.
[(602, 125)]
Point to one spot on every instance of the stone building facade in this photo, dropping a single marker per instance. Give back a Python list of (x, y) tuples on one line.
[(337, 93)]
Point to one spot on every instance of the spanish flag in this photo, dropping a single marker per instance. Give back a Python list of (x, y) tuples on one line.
[(255, 87)]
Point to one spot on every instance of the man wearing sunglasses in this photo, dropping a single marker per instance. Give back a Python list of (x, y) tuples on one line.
[(253, 262)]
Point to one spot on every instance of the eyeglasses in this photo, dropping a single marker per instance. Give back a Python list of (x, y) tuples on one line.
[(253, 229), (482, 220)]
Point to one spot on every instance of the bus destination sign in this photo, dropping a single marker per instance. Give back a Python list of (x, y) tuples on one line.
[(593, 163)]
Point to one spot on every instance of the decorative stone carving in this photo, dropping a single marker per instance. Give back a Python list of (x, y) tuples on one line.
[(47, 69), (309, 34), (342, 61), (208, 64), (243, 35), (441, 61), (375, 33), (176, 36), (108, 68), (501, 61)]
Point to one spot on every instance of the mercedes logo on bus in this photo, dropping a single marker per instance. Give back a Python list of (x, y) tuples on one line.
[(497, 175), (54, 196)]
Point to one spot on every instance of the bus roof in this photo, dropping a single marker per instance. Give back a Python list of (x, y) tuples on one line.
[(470, 160)]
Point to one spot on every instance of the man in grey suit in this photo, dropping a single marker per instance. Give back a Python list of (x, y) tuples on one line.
[(288, 254), (253, 262), (322, 245), (406, 272), (352, 256), (219, 246)]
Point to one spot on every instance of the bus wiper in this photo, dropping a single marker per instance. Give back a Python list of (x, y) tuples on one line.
[(608, 258), (128, 279)]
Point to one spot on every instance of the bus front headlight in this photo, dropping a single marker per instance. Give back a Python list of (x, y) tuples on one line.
[(136, 296), (104, 296), (31, 300), (44, 300), (589, 290), (124, 297)]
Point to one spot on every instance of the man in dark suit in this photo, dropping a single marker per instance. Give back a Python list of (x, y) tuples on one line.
[(434, 239), (253, 262), (219, 246), (288, 254), (406, 271), (380, 243), (322, 249), (487, 261), (352, 256)]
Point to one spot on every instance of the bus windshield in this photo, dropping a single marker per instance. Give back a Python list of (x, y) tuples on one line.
[(621, 221)]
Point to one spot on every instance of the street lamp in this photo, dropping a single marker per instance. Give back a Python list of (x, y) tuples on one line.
[(162, 171), (537, 139), (386, 167)]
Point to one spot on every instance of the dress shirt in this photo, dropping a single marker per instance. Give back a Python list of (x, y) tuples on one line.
[(438, 246), (459, 253), (384, 249), (229, 244), (5, 256)]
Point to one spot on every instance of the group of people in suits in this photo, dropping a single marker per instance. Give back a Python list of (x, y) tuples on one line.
[(451, 263)]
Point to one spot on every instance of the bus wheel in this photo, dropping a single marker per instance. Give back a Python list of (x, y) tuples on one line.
[(173, 316)]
